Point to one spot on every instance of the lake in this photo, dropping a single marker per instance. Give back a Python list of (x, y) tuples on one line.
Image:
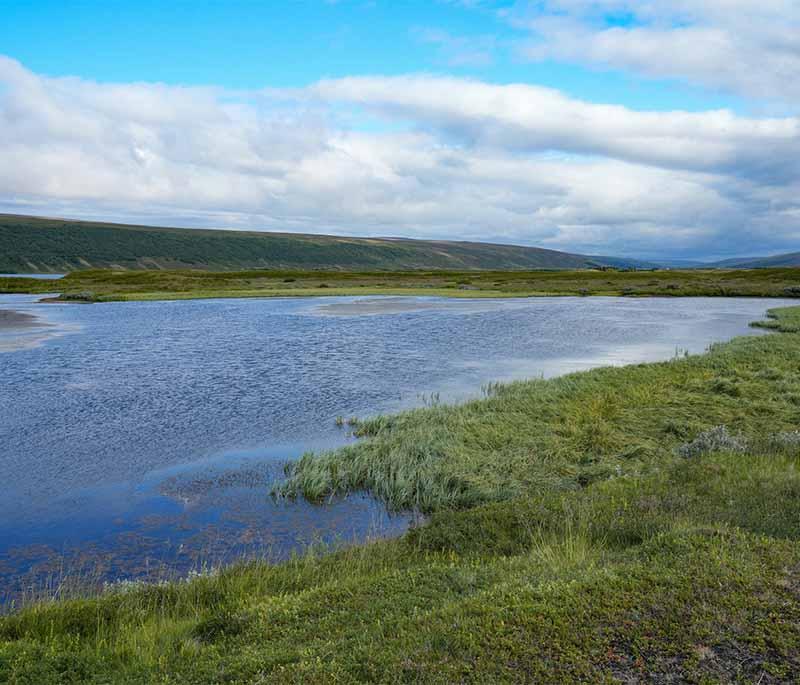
[(143, 438)]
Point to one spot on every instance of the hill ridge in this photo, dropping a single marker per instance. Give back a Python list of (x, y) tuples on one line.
[(38, 244)]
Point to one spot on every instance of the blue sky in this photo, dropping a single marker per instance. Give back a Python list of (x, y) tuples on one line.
[(250, 44), (643, 128)]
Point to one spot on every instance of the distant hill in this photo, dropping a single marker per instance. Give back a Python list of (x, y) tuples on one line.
[(789, 259), (681, 264), (34, 244), (625, 263)]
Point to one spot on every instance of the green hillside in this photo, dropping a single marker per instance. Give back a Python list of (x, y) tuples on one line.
[(791, 259), (37, 245)]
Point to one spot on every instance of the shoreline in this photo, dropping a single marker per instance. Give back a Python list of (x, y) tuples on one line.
[(388, 293), (514, 370), (565, 511)]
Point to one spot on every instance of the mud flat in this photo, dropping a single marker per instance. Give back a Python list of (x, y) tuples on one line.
[(20, 330), (13, 320), (395, 305)]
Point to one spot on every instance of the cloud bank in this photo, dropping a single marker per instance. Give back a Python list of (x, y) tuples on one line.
[(419, 156), (748, 47)]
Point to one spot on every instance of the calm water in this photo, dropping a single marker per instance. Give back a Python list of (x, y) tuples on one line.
[(139, 434), (46, 277)]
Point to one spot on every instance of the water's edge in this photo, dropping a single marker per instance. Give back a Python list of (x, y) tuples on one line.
[(213, 509)]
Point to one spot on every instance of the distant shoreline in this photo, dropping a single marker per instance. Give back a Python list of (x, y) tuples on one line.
[(119, 286)]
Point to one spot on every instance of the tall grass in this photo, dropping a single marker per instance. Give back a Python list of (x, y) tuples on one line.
[(535, 436)]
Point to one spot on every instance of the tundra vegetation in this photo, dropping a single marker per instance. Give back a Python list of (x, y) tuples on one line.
[(622, 524), (108, 285)]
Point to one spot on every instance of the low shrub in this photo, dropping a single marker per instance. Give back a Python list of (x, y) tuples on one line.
[(717, 439), (723, 386), (83, 296)]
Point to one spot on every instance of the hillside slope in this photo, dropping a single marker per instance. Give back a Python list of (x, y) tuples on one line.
[(790, 259), (32, 244)]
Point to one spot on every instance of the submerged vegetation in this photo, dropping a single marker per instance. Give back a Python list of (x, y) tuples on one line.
[(617, 525), (108, 285)]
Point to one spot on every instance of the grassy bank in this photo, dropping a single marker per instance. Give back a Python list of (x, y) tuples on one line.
[(594, 528), (531, 437), (109, 285)]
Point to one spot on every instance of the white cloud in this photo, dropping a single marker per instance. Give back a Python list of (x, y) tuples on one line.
[(748, 47), (472, 160), (530, 118)]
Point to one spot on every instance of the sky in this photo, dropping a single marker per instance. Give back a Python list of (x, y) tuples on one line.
[(652, 129)]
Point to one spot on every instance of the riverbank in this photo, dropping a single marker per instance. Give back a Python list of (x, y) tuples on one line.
[(596, 527), (110, 285)]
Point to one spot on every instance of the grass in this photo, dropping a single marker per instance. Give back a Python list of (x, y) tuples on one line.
[(110, 285), (533, 437), (568, 541)]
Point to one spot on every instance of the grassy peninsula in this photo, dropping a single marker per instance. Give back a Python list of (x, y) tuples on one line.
[(109, 285), (634, 524)]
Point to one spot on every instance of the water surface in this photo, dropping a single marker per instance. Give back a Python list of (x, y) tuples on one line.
[(147, 434), (46, 277)]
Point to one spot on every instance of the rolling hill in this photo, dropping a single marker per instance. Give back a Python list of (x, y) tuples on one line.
[(789, 259), (41, 245)]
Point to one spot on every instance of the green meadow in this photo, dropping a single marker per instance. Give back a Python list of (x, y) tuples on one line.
[(102, 285), (634, 524)]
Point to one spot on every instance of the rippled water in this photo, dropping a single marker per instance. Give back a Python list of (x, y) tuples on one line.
[(148, 433)]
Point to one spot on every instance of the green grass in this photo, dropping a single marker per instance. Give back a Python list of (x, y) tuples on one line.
[(533, 437), (567, 542), (109, 285)]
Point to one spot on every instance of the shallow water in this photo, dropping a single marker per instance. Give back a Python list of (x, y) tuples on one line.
[(147, 434), (45, 277)]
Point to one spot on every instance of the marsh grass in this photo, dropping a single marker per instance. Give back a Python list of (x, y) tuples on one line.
[(567, 542), (697, 555), (119, 285), (530, 437)]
